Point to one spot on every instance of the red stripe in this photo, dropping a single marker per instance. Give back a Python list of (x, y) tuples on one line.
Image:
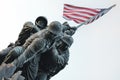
[(81, 14), (94, 19), (72, 11), (77, 21), (78, 15), (75, 7), (70, 17)]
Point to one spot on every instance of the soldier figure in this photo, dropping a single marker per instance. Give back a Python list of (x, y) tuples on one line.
[(28, 29), (57, 55), (49, 67), (67, 29), (36, 45), (55, 59)]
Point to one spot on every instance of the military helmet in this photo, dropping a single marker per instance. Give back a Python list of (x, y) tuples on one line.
[(68, 40), (28, 24), (43, 20), (55, 27)]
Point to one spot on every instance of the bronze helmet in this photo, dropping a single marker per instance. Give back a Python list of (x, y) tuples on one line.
[(43, 20), (55, 27)]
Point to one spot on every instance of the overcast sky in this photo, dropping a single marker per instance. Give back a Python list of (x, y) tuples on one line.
[(95, 53)]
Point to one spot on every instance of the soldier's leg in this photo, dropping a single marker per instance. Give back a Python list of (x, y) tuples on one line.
[(13, 54), (4, 52), (30, 68), (18, 62), (8, 69)]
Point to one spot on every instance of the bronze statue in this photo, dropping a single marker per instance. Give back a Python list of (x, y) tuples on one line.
[(28, 29), (55, 59), (39, 43), (44, 53)]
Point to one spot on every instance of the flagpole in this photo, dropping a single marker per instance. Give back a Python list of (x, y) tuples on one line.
[(112, 6), (80, 25)]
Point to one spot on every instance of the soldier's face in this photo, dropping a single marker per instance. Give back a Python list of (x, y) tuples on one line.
[(41, 24), (62, 46)]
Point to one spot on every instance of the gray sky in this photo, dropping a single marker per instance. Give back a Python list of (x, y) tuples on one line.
[(95, 53)]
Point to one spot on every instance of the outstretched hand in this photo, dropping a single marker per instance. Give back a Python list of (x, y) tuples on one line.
[(7, 70), (74, 28)]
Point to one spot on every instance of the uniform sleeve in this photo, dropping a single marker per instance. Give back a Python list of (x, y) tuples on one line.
[(26, 32), (61, 62), (61, 58), (71, 31), (37, 46)]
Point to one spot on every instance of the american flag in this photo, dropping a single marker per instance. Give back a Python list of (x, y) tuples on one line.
[(83, 14)]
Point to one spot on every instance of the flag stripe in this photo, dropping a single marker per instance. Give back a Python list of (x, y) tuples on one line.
[(72, 18), (82, 14), (77, 15), (80, 10), (83, 8)]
